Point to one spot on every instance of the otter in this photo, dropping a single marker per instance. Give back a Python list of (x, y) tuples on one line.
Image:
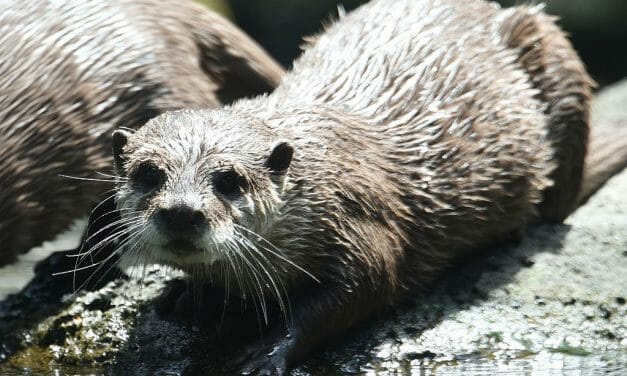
[(405, 137), (73, 71)]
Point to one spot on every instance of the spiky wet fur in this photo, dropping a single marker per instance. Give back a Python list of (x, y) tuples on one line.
[(422, 130)]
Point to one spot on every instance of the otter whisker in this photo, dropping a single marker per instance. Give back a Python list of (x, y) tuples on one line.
[(95, 249), (126, 221), (276, 253), (81, 256), (133, 246), (118, 222), (235, 266), (96, 271), (225, 273), (252, 253), (92, 220), (102, 202), (281, 299), (263, 261), (131, 130), (137, 232), (128, 227), (255, 286), (137, 250), (121, 178), (238, 268), (258, 285), (112, 237), (77, 269), (90, 179)]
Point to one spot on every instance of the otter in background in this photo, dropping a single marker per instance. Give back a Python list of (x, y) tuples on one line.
[(72, 71), (406, 136)]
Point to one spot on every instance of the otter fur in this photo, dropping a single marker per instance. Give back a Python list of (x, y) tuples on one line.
[(405, 136), (72, 71)]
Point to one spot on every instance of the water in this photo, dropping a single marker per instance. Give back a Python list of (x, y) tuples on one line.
[(544, 363)]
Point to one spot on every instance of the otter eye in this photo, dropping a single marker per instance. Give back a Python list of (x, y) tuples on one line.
[(230, 183), (147, 177)]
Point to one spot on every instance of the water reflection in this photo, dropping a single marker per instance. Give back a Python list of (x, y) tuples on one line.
[(544, 363)]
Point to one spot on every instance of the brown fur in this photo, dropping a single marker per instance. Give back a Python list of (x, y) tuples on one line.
[(70, 72), (419, 131), (608, 142)]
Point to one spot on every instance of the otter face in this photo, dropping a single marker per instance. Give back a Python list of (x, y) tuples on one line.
[(196, 190)]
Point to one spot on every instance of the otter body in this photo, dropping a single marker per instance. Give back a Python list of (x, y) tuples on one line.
[(405, 136), (72, 71)]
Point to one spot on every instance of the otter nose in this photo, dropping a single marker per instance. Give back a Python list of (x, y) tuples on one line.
[(180, 220)]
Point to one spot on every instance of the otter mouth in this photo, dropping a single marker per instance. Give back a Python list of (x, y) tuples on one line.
[(182, 247)]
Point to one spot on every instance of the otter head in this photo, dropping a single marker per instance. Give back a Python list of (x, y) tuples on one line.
[(197, 187)]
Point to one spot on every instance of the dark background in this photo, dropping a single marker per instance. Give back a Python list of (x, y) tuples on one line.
[(598, 28)]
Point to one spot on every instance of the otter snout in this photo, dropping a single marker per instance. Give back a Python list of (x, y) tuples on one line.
[(181, 221)]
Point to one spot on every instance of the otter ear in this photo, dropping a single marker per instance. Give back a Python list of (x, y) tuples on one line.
[(118, 141), (280, 157)]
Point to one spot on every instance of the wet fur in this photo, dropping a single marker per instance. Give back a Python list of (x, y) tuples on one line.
[(421, 131), (71, 72)]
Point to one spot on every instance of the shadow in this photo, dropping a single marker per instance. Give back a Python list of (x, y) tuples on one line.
[(202, 332), (189, 330), (465, 284), (213, 333)]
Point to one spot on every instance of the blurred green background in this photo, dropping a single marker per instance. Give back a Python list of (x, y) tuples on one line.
[(598, 28)]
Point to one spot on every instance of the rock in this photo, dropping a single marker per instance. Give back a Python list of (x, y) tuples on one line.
[(555, 301)]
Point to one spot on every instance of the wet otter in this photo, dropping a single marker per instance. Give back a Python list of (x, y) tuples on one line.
[(404, 137), (72, 71)]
